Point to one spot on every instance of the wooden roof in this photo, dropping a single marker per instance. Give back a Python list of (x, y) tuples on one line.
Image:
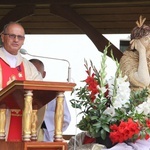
[(90, 17)]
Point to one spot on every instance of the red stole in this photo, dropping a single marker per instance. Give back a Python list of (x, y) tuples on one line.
[(8, 75)]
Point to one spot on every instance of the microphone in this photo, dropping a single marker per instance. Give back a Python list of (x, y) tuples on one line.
[(24, 52)]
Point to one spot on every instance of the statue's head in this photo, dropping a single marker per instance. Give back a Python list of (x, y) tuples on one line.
[(141, 30)]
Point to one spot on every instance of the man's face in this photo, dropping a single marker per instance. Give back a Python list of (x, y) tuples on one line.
[(13, 38)]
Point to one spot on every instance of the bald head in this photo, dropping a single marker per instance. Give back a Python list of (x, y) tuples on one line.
[(11, 24)]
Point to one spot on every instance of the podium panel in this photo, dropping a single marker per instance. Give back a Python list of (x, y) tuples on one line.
[(45, 146), (30, 96), (33, 145), (11, 145)]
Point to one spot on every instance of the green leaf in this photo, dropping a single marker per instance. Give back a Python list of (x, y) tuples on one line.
[(103, 134), (106, 127)]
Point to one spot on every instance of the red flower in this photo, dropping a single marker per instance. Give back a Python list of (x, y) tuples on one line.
[(148, 123), (114, 127), (107, 92), (124, 131), (92, 97), (92, 86), (115, 136), (147, 136)]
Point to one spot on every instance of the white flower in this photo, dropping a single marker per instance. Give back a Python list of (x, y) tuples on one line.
[(110, 110), (122, 93), (144, 107), (103, 89)]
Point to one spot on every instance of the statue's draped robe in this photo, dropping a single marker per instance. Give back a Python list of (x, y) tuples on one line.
[(129, 65)]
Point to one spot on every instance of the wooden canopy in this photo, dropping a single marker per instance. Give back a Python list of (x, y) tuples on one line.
[(90, 17)]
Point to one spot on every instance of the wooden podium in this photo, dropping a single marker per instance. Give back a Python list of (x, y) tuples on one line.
[(30, 96)]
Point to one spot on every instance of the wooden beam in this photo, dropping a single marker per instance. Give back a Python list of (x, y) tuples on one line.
[(101, 2), (16, 14), (97, 38)]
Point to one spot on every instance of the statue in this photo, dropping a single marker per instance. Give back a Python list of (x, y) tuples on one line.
[(135, 62)]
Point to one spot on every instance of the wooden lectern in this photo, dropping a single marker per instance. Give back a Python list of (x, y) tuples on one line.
[(30, 96)]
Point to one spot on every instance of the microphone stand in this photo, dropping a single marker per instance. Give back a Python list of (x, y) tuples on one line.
[(24, 52)]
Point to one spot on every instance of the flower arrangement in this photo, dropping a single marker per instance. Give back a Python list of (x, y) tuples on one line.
[(110, 107)]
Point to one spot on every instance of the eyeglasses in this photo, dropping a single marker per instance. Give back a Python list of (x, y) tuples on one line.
[(13, 36)]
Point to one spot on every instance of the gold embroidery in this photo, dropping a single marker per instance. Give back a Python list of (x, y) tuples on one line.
[(16, 112), (12, 78), (20, 75)]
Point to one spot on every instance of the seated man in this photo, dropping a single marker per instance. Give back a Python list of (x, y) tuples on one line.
[(48, 124)]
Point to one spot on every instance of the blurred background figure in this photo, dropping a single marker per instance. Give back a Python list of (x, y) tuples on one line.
[(48, 125)]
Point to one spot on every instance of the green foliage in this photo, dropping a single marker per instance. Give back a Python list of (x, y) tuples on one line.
[(100, 109), (93, 120)]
